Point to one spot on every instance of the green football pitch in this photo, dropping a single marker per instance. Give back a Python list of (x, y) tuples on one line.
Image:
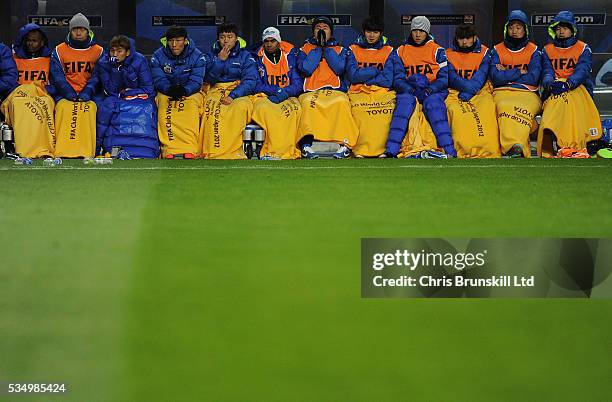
[(240, 281)]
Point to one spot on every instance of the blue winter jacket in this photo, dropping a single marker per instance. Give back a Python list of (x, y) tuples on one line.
[(58, 78), (501, 78), (275, 93), (186, 70), (582, 71), (8, 71), (240, 65), (130, 78), (307, 64), (370, 75), (419, 82), (469, 87), (19, 47)]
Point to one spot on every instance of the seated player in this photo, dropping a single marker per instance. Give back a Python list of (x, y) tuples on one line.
[(75, 85), (569, 112), (278, 113), (8, 71), (178, 69), (326, 109), (370, 73), (516, 64), (232, 75), (34, 137), (470, 104), (127, 116), (421, 71)]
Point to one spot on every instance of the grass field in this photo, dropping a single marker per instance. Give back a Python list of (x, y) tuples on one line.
[(239, 281)]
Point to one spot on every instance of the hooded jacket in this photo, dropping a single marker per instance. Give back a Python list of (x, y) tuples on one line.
[(82, 68), (187, 69), (294, 85), (31, 67), (512, 76), (240, 65), (310, 58), (129, 79), (8, 71), (405, 81), (368, 72), (571, 55), (468, 83)]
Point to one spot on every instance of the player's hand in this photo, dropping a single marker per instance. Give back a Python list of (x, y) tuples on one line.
[(500, 67), (227, 100), (224, 53)]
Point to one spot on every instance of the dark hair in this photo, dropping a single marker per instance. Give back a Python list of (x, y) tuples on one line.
[(465, 31), (227, 27), (120, 41), (373, 23), (176, 31)]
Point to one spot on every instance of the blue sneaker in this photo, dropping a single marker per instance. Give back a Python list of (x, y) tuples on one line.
[(342, 152), (309, 153)]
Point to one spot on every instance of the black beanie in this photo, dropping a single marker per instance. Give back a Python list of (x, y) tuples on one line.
[(325, 20)]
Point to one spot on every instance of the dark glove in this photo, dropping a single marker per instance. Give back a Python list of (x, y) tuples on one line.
[(177, 92), (559, 87), (422, 94), (84, 96), (321, 38), (279, 97), (465, 96)]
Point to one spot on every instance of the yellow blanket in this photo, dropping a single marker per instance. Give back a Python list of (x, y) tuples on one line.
[(516, 112), (280, 122), (572, 118), (29, 110), (223, 125), (76, 129), (420, 136), (326, 115), (372, 109), (178, 124), (474, 125)]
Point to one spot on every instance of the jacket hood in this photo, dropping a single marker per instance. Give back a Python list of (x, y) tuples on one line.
[(361, 41), (19, 46), (520, 16), (477, 46), (189, 47), (566, 17), (240, 44)]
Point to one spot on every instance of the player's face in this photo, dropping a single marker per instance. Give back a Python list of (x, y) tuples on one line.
[(516, 30), (418, 36), (321, 26), (563, 32), (33, 41), (119, 53), (79, 33), (177, 45), (228, 39), (372, 36), (271, 45), (465, 43)]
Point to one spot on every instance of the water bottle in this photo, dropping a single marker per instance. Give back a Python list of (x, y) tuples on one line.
[(51, 162), (103, 161), (23, 161)]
